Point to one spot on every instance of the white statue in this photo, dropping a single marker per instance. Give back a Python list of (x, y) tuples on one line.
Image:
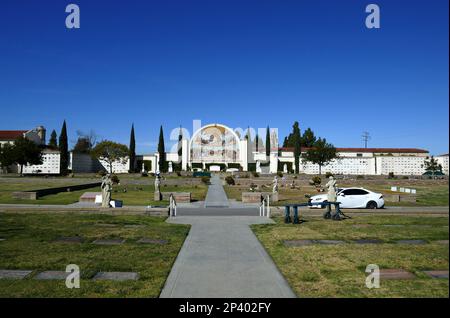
[(275, 185), (258, 166), (157, 183), (106, 187), (331, 185)]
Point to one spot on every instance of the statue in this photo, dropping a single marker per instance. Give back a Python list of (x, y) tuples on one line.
[(275, 185), (258, 166), (331, 185), (106, 187), (157, 196)]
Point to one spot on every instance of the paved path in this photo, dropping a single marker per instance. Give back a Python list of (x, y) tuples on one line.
[(221, 257), (216, 196)]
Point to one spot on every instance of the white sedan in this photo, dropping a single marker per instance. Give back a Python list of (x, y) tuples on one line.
[(352, 198)]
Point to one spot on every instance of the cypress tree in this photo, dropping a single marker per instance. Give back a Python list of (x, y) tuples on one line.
[(53, 142), (297, 145), (257, 142), (64, 149), (180, 145), (132, 150), (161, 151), (268, 141)]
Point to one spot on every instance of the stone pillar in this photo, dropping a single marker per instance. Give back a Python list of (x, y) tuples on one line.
[(184, 154)]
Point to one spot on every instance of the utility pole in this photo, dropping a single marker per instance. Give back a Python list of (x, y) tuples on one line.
[(366, 138)]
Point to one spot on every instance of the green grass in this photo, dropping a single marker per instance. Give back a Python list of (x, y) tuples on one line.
[(30, 244), (427, 195), (338, 271), (134, 195)]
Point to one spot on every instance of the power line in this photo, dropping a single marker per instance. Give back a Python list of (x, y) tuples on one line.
[(366, 137)]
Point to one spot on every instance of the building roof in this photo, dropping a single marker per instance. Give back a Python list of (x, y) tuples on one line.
[(10, 135), (372, 150)]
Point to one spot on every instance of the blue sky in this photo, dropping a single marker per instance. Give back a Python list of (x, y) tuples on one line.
[(236, 62)]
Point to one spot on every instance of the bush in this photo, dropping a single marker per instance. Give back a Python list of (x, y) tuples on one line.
[(359, 177), (179, 173), (405, 177), (315, 181), (229, 180), (115, 179), (255, 174), (280, 174), (328, 174), (206, 179), (144, 174), (391, 175)]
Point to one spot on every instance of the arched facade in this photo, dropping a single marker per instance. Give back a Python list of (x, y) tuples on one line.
[(215, 143)]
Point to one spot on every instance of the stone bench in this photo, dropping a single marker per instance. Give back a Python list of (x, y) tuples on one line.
[(400, 197), (89, 197), (180, 197), (251, 197)]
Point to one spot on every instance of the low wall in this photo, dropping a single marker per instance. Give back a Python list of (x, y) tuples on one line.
[(400, 197), (180, 197), (35, 194)]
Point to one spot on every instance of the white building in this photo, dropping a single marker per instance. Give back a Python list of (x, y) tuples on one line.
[(51, 163), (367, 161), (443, 161), (36, 135), (215, 146)]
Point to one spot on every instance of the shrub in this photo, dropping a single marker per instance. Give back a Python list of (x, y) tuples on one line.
[(391, 175), (359, 177), (144, 174), (280, 174), (315, 181), (229, 180), (328, 174), (115, 179), (179, 173), (255, 174), (206, 179), (405, 177)]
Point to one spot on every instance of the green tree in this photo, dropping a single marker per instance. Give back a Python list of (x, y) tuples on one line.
[(308, 138), (321, 153), (297, 145), (132, 153), (433, 166), (110, 152), (53, 142), (162, 151), (22, 152), (83, 145), (257, 142), (180, 142), (64, 149), (268, 141)]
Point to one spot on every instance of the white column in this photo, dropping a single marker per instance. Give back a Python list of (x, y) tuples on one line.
[(184, 154)]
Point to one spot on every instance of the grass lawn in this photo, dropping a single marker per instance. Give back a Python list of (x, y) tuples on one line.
[(134, 195), (427, 195), (339, 271), (30, 245)]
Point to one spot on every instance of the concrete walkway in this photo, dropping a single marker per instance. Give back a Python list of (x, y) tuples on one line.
[(221, 257), (216, 196)]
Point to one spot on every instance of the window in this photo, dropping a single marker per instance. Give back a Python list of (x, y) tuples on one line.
[(354, 192)]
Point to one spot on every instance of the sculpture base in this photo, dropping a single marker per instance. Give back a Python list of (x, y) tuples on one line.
[(157, 196)]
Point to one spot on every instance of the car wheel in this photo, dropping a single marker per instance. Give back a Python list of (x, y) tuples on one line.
[(372, 205)]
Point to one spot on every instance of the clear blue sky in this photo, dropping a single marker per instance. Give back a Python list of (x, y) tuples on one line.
[(237, 62)]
